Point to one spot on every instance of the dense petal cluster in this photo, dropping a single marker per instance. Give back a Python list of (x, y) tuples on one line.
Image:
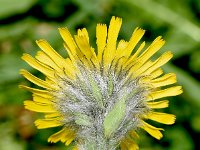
[(101, 97)]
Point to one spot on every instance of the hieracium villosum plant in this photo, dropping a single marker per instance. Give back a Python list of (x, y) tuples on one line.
[(101, 98)]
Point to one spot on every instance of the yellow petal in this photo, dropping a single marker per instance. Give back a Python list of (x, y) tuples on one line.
[(42, 93), (70, 70), (83, 32), (134, 56), (70, 139), (123, 146), (55, 57), (39, 107), (69, 41), (153, 131), (162, 117), (159, 62), (149, 66), (64, 135), (156, 73), (142, 69), (151, 50), (167, 79), (72, 57), (43, 100), (101, 35), (48, 123), (35, 80), (138, 51), (113, 31), (44, 58), (119, 60), (172, 91), (159, 104), (86, 49), (44, 45), (84, 46), (136, 36), (75, 148), (121, 46), (128, 144), (133, 134), (52, 115), (117, 64), (37, 65), (131, 67), (57, 136)]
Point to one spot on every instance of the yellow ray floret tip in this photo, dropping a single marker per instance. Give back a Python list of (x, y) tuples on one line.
[(47, 123), (153, 131), (162, 117)]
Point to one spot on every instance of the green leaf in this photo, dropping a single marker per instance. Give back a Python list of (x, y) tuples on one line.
[(114, 117), (12, 7)]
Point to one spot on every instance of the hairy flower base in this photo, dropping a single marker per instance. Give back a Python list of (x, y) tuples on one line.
[(103, 107), (101, 100)]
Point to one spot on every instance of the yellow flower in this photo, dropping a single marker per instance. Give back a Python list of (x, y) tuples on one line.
[(101, 97)]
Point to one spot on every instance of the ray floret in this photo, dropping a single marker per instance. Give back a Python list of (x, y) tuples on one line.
[(100, 98)]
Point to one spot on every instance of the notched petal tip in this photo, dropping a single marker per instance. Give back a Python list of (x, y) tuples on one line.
[(153, 131), (180, 90), (172, 91), (40, 40), (62, 28), (65, 135), (101, 24), (164, 118), (140, 30), (116, 18)]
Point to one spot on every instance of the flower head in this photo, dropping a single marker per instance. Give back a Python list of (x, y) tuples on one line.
[(101, 97)]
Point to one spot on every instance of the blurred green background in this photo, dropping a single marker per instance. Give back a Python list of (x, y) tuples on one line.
[(24, 21)]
